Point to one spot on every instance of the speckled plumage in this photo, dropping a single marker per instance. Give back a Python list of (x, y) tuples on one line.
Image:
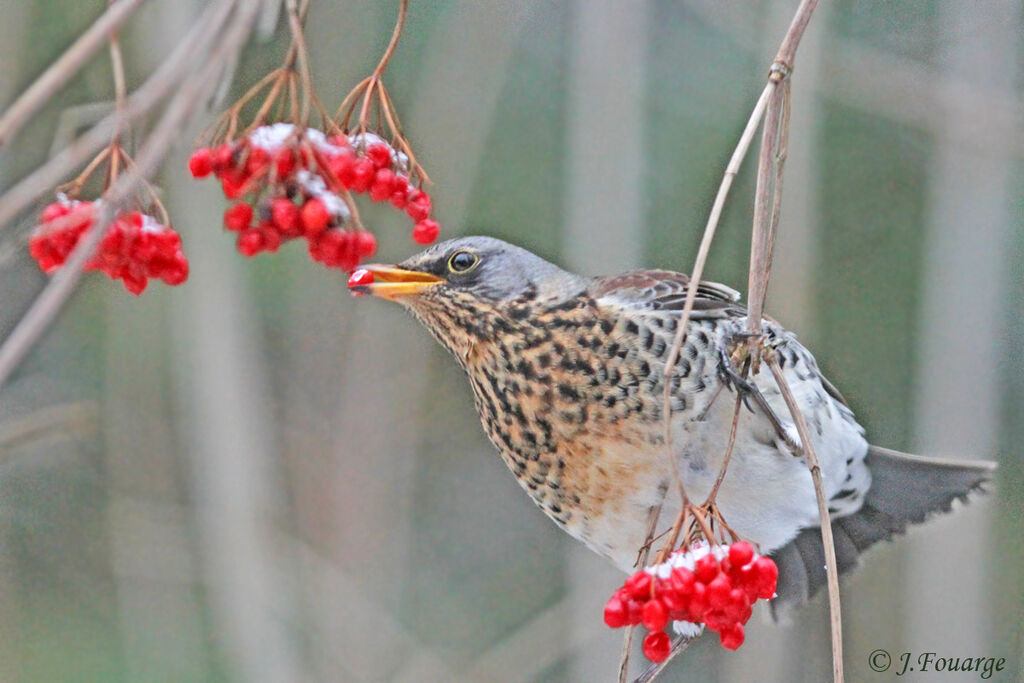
[(568, 377)]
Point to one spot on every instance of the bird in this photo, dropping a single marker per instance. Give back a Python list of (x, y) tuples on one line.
[(568, 377)]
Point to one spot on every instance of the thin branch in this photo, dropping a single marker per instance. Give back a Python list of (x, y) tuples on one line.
[(831, 567), (227, 39), (654, 670), (698, 271), (375, 77), (66, 66), (766, 203), (164, 81), (627, 638)]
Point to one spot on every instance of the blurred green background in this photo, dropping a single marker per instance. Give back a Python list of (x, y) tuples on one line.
[(255, 477)]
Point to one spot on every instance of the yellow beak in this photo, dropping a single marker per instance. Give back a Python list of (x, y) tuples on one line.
[(391, 282)]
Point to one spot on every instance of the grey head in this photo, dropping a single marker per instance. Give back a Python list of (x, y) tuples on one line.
[(495, 271)]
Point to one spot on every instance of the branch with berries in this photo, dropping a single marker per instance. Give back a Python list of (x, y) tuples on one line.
[(706, 525), (291, 169), (296, 180)]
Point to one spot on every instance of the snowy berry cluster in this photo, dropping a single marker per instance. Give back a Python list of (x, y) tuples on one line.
[(704, 586), (294, 182), (135, 248)]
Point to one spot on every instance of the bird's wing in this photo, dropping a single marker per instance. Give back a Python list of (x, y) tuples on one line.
[(665, 290)]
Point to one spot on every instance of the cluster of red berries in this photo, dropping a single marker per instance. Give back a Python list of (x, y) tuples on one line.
[(135, 248), (295, 179), (716, 587)]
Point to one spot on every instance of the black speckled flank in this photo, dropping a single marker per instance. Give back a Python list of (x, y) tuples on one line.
[(547, 374), (568, 376)]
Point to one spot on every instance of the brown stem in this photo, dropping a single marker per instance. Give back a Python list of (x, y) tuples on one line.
[(396, 128), (654, 670), (299, 49), (627, 639), (673, 536), (769, 188), (75, 186), (831, 566), (698, 267), (383, 64), (728, 451), (120, 96)]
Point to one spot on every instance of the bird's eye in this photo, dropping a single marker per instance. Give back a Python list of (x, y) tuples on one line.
[(463, 262)]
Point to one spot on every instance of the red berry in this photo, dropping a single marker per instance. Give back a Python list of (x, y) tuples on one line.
[(639, 585), (223, 158), (740, 553), (200, 164), (698, 601), (426, 231), (284, 163), (177, 273), (234, 186), (419, 205), (717, 620), (134, 282), (681, 580), (706, 568), (657, 646), (250, 242), (737, 605), (365, 277), (314, 217), (655, 615), (258, 161), (54, 211), (362, 175), (732, 637), (767, 574), (400, 195), (285, 214), (718, 591), (365, 244), (383, 185), (238, 217), (342, 167), (272, 237), (380, 154), (615, 612)]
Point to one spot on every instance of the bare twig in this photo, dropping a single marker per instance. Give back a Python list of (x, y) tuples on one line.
[(627, 638), (775, 101), (226, 39), (698, 269), (165, 80), (374, 80), (654, 670), (66, 66), (768, 199), (831, 567)]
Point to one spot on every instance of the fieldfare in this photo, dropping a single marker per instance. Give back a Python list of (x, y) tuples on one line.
[(568, 377)]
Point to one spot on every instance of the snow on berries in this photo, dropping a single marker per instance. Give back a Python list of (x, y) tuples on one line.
[(703, 586), (294, 182), (135, 248)]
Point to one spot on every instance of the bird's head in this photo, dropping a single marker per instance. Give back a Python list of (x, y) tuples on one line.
[(465, 288)]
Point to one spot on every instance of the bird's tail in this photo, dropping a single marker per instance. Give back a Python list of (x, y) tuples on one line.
[(905, 489)]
